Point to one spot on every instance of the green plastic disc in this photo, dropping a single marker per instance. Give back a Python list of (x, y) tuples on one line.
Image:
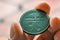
[(34, 22)]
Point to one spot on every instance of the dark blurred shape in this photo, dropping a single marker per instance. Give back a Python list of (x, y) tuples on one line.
[(20, 7), (2, 20)]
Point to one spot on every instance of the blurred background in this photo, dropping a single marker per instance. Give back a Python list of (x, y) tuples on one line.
[(11, 11)]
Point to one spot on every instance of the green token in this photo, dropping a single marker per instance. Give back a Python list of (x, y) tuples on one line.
[(34, 22)]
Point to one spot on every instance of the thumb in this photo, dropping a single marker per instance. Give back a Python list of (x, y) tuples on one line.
[(16, 33)]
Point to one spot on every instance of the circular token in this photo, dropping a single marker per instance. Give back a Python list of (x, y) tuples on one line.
[(34, 21)]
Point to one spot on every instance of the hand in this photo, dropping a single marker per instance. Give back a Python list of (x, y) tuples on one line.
[(50, 34), (53, 33), (16, 32)]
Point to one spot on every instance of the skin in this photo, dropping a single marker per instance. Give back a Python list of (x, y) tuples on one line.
[(57, 36), (44, 6), (53, 33), (55, 27), (16, 32)]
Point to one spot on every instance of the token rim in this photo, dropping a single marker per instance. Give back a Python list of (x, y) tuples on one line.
[(36, 32)]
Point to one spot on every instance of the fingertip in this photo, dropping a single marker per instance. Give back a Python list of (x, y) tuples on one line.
[(18, 34), (15, 29), (12, 31), (44, 6), (55, 22), (18, 28)]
